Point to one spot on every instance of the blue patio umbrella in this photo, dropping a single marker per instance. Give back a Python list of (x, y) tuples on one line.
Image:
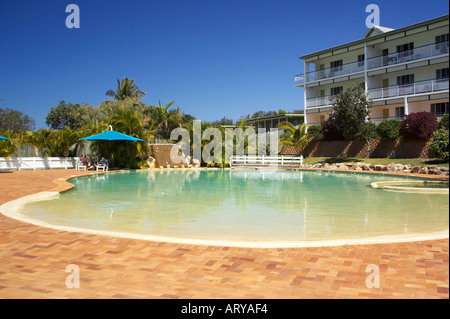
[(110, 135)]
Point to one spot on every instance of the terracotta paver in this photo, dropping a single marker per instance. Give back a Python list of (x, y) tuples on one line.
[(33, 262)]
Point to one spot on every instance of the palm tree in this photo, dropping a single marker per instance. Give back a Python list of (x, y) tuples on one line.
[(164, 119), (41, 141), (64, 139), (29, 138), (125, 89), (131, 122), (297, 137)]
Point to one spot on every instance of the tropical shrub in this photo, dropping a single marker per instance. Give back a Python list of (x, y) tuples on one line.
[(439, 143), (389, 129), (316, 131), (8, 147), (294, 136), (418, 125)]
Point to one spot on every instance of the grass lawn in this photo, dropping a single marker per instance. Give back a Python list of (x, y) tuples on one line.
[(377, 161)]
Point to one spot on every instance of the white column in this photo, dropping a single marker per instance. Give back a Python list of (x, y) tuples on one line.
[(366, 79), (306, 69), (406, 106)]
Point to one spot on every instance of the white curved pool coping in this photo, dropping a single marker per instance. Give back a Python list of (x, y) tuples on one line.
[(388, 186), (12, 209)]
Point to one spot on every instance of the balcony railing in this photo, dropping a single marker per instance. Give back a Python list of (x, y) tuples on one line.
[(353, 67), (423, 52), (299, 79), (378, 120), (429, 86), (319, 101)]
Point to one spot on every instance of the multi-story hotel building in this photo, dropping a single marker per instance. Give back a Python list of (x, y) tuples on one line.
[(403, 71)]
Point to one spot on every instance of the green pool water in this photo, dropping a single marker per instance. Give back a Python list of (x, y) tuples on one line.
[(243, 205)]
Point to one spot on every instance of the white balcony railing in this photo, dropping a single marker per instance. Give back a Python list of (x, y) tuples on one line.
[(427, 51), (424, 52), (319, 101), (430, 86), (299, 79)]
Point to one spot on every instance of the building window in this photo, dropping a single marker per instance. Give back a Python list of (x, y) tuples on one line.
[(361, 59), (405, 84), (405, 79), (439, 108), (336, 66), (442, 43), (405, 50), (336, 90), (442, 74), (400, 112)]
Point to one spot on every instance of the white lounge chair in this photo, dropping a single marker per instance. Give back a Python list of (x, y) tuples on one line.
[(79, 166)]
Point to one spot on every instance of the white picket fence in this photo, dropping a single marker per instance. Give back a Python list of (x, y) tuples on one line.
[(22, 163), (261, 161)]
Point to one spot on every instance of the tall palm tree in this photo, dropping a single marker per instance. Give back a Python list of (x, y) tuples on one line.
[(64, 139), (125, 89), (164, 119), (29, 138), (295, 136), (42, 140)]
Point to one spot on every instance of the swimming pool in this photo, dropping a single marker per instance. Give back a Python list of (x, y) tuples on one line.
[(243, 205)]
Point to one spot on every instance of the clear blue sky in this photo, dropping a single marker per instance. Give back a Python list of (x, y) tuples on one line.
[(214, 58)]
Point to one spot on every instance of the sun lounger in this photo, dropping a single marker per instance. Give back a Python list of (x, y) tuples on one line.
[(79, 166)]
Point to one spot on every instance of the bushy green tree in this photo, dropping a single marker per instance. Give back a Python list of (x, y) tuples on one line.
[(70, 115), (349, 111), (15, 120)]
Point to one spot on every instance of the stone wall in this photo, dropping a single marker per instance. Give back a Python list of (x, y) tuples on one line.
[(378, 149), (393, 168), (162, 158)]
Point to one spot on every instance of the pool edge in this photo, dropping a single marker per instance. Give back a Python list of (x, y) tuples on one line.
[(11, 209)]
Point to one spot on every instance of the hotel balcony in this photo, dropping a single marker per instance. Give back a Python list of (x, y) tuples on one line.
[(417, 88), (353, 67), (422, 87), (424, 52)]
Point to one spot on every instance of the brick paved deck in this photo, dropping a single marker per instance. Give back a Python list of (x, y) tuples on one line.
[(33, 263)]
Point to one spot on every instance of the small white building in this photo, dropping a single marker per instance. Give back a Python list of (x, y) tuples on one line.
[(403, 71)]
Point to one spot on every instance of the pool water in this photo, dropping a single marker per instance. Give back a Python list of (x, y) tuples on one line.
[(243, 205)]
